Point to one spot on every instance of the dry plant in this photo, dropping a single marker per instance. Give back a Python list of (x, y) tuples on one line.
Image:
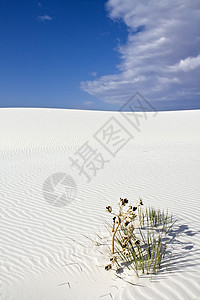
[(137, 240)]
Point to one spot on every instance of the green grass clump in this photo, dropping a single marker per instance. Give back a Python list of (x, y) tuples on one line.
[(137, 239)]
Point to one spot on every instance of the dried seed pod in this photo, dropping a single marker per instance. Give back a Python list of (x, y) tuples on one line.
[(125, 200), (137, 242), (125, 237), (134, 208), (108, 267), (132, 216), (139, 202), (109, 209), (125, 251), (126, 223), (129, 209), (113, 259), (125, 245)]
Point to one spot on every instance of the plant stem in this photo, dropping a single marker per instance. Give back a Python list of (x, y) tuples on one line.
[(113, 237)]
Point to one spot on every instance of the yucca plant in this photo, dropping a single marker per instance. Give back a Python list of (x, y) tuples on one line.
[(137, 240)]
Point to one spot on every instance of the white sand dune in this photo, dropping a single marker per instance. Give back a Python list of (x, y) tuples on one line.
[(43, 252)]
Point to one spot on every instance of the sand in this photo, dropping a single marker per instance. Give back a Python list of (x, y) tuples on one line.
[(44, 254)]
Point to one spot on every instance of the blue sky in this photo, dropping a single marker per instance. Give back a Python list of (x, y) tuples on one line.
[(90, 54)]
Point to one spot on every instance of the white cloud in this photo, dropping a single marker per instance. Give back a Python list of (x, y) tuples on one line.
[(93, 74), (156, 60), (88, 103), (45, 18), (186, 65)]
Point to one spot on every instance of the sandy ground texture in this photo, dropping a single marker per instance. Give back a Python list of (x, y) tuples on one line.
[(61, 168)]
